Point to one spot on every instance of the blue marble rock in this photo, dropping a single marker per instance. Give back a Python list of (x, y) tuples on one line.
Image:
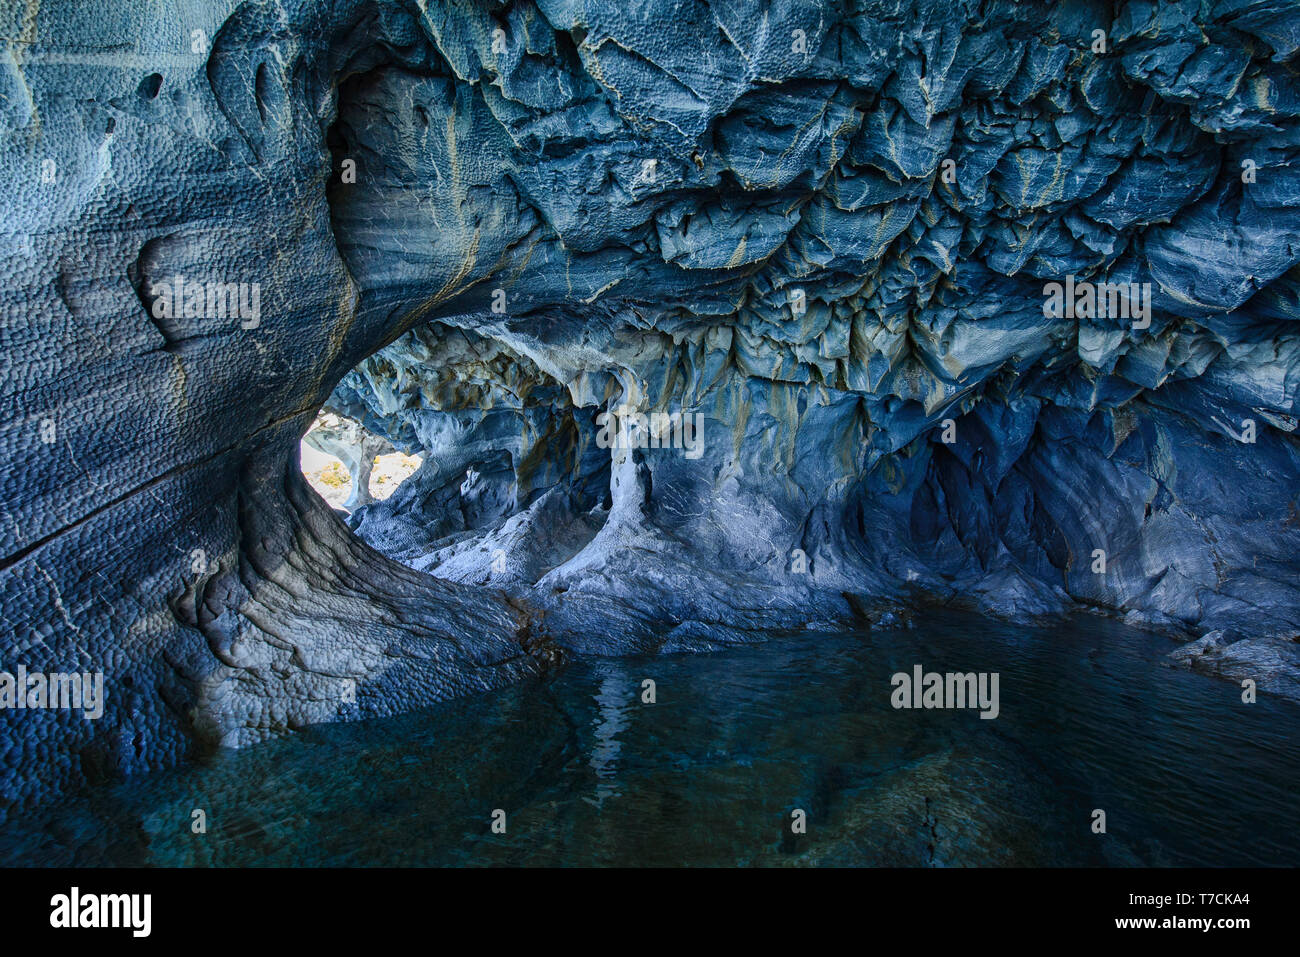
[(822, 230)]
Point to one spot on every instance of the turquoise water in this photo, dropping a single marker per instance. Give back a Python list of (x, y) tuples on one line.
[(1090, 718)]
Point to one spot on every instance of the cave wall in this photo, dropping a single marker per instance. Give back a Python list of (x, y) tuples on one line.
[(825, 227), (914, 182)]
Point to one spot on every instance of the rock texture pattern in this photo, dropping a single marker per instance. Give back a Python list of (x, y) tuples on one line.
[(829, 229)]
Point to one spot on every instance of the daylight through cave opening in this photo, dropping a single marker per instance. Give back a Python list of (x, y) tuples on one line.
[(501, 477)]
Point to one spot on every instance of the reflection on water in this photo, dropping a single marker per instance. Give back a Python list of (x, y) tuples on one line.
[(611, 718), (588, 773)]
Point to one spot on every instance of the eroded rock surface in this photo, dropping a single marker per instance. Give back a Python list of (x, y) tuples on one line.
[(826, 228)]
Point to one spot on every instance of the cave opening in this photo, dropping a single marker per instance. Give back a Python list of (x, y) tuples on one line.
[(478, 466), (348, 465)]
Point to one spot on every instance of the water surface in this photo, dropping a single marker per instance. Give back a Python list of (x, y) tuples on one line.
[(1091, 717)]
